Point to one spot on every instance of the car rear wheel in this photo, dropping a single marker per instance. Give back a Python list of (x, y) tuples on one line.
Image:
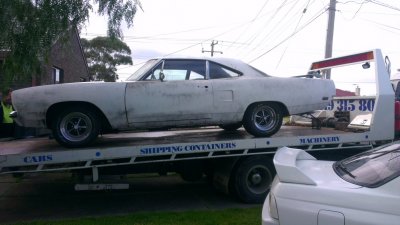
[(76, 127), (263, 119)]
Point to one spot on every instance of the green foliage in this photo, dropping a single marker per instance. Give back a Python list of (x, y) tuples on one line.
[(30, 27), (103, 55), (248, 216)]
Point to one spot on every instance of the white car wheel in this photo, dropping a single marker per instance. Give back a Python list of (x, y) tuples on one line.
[(76, 127), (263, 119)]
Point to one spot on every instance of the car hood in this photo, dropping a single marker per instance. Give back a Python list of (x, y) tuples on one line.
[(299, 167)]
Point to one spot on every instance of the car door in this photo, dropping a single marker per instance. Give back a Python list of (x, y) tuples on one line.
[(228, 92), (182, 97)]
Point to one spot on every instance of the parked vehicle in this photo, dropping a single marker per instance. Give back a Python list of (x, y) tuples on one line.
[(237, 163), (362, 189), (167, 93)]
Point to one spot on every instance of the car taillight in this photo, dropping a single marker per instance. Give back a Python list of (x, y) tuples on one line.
[(273, 209)]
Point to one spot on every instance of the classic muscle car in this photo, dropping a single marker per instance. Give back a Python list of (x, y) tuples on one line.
[(359, 190), (171, 92)]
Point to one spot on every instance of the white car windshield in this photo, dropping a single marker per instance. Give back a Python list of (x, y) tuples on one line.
[(372, 168), (142, 70)]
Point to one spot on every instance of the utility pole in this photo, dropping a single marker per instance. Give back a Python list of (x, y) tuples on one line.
[(329, 33), (213, 43)]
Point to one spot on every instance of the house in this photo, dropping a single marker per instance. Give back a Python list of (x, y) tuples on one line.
[(66, 64)]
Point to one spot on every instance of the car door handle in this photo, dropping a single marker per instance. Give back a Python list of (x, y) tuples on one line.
[(206, 86)]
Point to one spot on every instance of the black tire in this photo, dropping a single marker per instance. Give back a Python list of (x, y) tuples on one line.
[(76, 127), (263, 119), (231, 127), (252, 179)]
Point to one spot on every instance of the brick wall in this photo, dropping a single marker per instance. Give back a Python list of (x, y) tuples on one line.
[(68, 57)]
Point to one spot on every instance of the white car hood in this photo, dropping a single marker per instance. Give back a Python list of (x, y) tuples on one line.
[(299, 167)]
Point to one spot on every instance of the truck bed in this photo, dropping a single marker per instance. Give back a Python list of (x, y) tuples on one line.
[(44, 144)]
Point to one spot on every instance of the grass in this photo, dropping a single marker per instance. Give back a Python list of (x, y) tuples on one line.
[(245, 216)]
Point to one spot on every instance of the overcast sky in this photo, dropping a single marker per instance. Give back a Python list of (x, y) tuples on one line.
[(281, 38)]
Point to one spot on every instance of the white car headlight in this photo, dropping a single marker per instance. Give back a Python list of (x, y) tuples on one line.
[(273, 209)]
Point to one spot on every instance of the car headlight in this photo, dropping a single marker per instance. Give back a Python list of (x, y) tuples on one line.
[(273, 209)]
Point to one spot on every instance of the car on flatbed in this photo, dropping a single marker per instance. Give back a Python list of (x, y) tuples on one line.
[(362, 189), (171, 92)]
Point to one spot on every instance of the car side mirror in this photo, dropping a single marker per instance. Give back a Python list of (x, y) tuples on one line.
[(162, 76)]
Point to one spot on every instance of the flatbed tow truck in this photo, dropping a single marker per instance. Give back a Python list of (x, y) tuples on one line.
[(236, 162)]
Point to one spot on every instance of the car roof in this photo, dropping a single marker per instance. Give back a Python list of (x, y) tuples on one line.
[(229, 62)]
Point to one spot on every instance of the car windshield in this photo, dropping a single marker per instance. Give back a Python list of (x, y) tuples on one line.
[(142, 70), (372, 168)]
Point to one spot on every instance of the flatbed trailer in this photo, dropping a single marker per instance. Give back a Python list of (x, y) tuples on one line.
[(237, 162)]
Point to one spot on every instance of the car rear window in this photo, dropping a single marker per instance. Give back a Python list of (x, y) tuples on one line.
[(372, 168)]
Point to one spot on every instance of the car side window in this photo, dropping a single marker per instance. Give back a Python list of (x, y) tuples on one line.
[(218, 71), (179, 70)]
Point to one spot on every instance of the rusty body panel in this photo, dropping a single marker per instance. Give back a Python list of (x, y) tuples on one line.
[(32, 103)]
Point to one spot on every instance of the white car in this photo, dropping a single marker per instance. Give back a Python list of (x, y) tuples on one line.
[(171, 92), (361, 190)]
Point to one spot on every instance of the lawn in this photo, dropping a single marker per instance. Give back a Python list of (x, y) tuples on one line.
[(245, 216)]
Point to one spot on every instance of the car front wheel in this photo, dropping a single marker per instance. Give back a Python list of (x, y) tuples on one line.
[(263, 119), (76, 127)]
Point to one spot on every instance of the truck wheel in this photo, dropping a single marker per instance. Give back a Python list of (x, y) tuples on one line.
[(263, 119), (231, 127), (253, 178), (76, 127)]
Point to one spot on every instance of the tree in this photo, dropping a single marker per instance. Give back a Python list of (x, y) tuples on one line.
[(30, 27), (103, 55)]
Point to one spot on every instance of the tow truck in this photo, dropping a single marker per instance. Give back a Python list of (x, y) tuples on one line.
[(236, 162)]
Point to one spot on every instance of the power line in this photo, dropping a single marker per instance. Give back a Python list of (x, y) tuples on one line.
[(297, 25), (287, 38), (383, 4), (254, 36), (251, 23)]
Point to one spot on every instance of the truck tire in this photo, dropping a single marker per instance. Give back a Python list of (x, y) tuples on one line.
[(252, 179), (76, 127), (263, 119)]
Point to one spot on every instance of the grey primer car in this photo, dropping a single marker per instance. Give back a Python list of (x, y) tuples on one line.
[(171, 92), (361, 190)]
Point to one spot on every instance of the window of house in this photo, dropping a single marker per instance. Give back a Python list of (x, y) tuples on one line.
[(58, 75)]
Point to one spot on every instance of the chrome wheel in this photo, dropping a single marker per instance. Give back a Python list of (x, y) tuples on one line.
[(265, 118), (76, 126)]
